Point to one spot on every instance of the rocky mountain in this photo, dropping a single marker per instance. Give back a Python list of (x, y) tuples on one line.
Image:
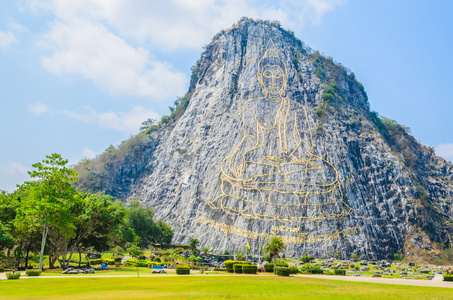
[(273, 138)]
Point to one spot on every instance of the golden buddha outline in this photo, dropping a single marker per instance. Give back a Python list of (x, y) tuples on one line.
[(289, 183)]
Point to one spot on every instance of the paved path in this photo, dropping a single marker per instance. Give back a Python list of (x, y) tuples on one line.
[(431, 283), (428, 283)]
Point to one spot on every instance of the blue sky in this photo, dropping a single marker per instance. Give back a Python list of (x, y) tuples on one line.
[(78, 76)]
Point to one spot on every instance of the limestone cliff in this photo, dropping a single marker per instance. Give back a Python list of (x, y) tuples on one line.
[(279, 140)]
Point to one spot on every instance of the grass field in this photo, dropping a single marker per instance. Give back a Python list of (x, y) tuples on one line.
[(210, 287)]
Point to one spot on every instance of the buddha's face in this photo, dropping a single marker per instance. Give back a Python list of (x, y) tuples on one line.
[(273, 79)]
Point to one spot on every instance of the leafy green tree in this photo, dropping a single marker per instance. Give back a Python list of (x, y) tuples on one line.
[(193, 245), (49, 201), (7, 216), (240, 255), (139, 222), (205, 251), (274, 247), (96, 215)]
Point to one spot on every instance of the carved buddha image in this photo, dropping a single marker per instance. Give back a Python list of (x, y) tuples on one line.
[(273, 173)]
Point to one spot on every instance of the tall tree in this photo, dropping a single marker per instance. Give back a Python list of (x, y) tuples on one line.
[(274, 247), (49, 201), (95, 216)]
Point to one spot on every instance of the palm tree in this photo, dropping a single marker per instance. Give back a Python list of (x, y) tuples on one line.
[(205, 251), (194, 243), (273, 247)]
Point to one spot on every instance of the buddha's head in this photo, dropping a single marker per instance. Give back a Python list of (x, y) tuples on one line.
[(272, 74)]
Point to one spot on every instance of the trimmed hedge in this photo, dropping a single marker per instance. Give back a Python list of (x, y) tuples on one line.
[(237, 268), (12, 275), (220, 269), (340, 272), (33, 272), (448, 278), (2, 269), (269, 267), (229, 264), (182, 270), (249, 269), (141, 264), (282, 271), (293, 270)]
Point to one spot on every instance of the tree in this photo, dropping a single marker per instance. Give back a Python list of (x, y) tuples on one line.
[(50, 200), (274, 247), (95, 219), (205, 251), (337, 254), (194, 243), (240, 255), (139, 222), (7, 216), (148, 123)]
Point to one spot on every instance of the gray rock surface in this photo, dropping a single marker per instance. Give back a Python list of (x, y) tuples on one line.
[(374, 209)]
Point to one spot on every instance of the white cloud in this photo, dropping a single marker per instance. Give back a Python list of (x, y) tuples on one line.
[(12, 173), (108, 42), (88, 153), (6, 39), (92, 51), (174, 24), (38, 108), (123, 121), (445, 150)]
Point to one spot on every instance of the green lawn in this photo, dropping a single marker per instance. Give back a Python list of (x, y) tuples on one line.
[(210, 287)]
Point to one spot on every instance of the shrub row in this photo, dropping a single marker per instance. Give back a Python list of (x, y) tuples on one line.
[(33, 272), (182, 270), (245, 268), (269, 267), (13, 275), (220, 269), (229, 264), (339, 272), (99, 261), (249, 269), (2, 269), (282, 271), (448, 278)]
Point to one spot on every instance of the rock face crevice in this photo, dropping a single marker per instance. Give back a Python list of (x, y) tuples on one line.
[(183, 171)]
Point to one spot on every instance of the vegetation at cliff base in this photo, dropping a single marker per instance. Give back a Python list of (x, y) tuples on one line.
[(50, 217)]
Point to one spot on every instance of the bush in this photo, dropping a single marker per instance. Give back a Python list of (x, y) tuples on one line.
[(311, 269), (340, 272), (230, 263), (96, 261), (282, 271), (129, 263), (269, 267), (33, 272), (237, 268), (141, 264), (448, 278), (117, 259), (306, 258), (220, 269), (293, 270), (13, 275), (249, 269), (2, 269), (182, 270)]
